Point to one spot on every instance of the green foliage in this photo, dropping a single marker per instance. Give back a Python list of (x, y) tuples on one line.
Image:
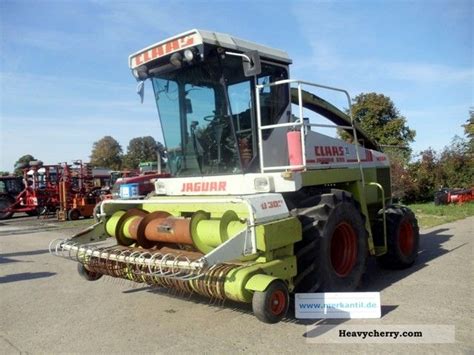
[(4, 173), (377, 115), (402, 180), (469, 126), (106, 153), (141, 149), (469, 132), (456, 164), (424, 175), (25, 159), (452, 168)]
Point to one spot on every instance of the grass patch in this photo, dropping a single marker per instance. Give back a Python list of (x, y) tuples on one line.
[(429, 215)]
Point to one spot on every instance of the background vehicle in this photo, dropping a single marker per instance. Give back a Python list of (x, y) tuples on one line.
[(10, 188), (80, 190), (135, 183), (39, 193), (446, 196), (70, 190), (258, 202)]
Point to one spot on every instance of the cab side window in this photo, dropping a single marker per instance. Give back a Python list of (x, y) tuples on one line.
[(273, 99)]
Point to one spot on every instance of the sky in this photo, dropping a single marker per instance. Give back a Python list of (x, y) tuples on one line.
[(65, 81)]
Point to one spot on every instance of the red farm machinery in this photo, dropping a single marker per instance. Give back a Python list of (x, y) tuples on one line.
[(79, 191), (137, 183), (35, 193), (43, 189), (448, 196)]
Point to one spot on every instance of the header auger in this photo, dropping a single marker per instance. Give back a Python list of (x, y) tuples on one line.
[(257, 204)]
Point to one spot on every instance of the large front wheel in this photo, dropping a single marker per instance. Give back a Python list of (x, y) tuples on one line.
[(332, 255)]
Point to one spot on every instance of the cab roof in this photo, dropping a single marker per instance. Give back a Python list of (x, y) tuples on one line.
[(195, 37)]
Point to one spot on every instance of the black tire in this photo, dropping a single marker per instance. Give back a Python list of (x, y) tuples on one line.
[(74, 214), (96, 212), (440, 198), (32, 213), (271, 305), (333, 253), (86, 274), (5, 202), (403, 237)]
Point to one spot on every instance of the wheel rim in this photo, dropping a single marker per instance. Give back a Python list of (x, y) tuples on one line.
[(277, 302), (406, 238), (343, 249)]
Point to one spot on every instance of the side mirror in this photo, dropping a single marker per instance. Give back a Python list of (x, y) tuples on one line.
[(250, 62), (141, 90), (252, 67)]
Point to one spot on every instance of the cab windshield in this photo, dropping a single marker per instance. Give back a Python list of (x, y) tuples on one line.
[(207, 116), (196, 119)]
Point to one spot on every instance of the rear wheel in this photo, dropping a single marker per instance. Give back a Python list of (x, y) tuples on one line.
[(332, 255), (403, 238), (271, 305), (73, 214), (5, 203)]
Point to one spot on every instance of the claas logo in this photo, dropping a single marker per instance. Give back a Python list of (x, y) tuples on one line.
[(162, 50), (329, 151)]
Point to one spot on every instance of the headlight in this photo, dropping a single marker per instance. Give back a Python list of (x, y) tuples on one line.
[(261, 184), (160, 187), (188, 55)]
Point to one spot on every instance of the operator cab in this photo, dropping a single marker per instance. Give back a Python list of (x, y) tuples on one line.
[(204, 85)]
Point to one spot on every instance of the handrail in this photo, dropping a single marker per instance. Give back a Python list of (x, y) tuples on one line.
[(300, 122)]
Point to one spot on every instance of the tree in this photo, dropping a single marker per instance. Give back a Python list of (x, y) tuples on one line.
[(403, 186), (451, 168), (456, 164), (378, 117), (141, 149), (469, 132), (469, 126), (4, 173), (21, 163), (106, 153), (425, 175)]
